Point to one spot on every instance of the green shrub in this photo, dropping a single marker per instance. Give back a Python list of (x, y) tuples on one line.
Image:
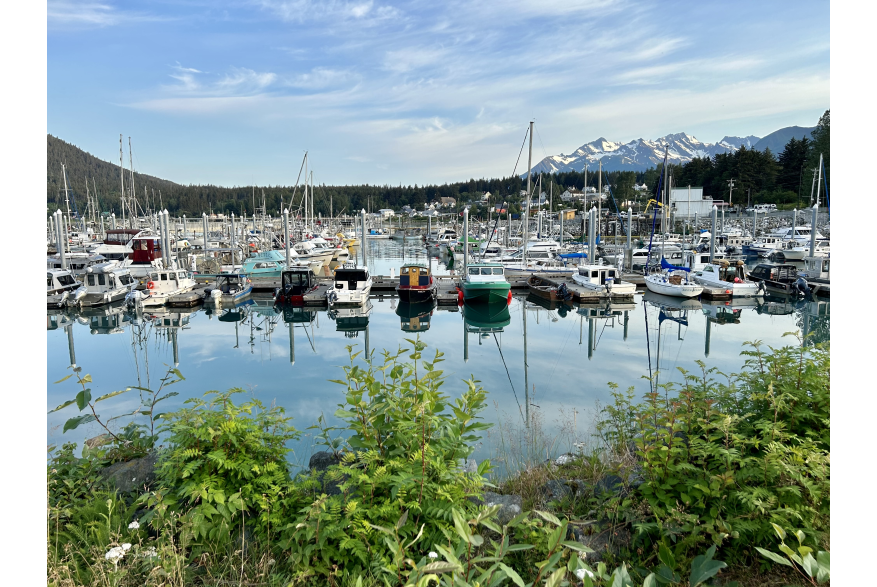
[(406, 440), (721, 463), (225, 466)]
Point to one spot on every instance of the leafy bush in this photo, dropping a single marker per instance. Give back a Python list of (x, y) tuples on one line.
[(406, 440), (721, 463), (224, 466)]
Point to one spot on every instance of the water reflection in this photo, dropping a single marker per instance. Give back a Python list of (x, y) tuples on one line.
[(415, 317)]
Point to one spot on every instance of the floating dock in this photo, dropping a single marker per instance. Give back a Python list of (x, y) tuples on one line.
[(580, 294)]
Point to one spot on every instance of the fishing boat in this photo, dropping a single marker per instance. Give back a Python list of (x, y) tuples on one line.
[(295, 283), (818, 275), (162, 285), (781, 278), (799, 251), (416, 283), (732, 279), (603, 278), (486, 283), (673, 281), (351, 286), (266, 267), (104, 284), (415, 316), (228, 289), (60, 284)]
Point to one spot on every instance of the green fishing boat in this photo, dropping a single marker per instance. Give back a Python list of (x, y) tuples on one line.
[(485, 283)]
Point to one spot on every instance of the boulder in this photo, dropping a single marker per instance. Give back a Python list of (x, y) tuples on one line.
[(510, 505), (319, 464), (609, 484), (556, 490), (469, 466), (132, 475), (564, 459), (607, 541)]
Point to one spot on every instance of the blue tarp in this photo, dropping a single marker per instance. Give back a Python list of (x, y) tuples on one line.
[(666, 265)]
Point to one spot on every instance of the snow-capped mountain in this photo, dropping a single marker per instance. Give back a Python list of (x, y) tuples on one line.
[(639, 154)]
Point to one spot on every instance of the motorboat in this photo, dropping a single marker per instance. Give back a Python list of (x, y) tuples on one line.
[(486, 283), (547, 290), (308, 251), (377, 233), (146, 256), (296, 282), (765, 245), (351, 286), (416, 283), (673, 281), (817, 273), (798, 252), (730, 278), (104, 284), (448, 235), (77, 262), (266, 267), (340, 255), (60, 284), (162, 284), (228, 289), (603, 278), (782, 278), (697, 260)]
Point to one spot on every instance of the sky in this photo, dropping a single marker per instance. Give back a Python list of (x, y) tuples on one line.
[(234, 93)]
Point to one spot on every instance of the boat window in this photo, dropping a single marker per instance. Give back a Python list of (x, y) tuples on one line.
[(611, 274), (91, 279), (497, 270), (49, 281), (65, 280), (101, 280), (153, 276), (708, 268), (595, 274), (164, 276), (473, 271), (181, 275), (125, 279)]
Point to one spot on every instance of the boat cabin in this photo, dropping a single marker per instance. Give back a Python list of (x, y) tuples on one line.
[(297, 281), (351, 278), (778, 273), (60, 280), (167, 280), (146, 249), (597, 274), (120, 236), (77, 263), (231, 283), (817, 267), (414, 276), (485, 272), (723, 271)]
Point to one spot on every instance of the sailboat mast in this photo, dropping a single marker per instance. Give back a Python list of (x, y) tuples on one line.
[(122, 177), (599, 200), (133, 192), (526, 222)]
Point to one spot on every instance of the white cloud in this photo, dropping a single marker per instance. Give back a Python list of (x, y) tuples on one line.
[(88, 14), (309, 10)]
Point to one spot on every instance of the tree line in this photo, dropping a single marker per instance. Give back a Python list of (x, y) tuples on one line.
[(759, 176)]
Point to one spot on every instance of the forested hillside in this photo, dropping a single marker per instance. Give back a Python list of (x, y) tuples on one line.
[(761, 176)]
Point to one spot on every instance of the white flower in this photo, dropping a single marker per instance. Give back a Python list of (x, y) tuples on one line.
[(150, 553), (115, 553), (432, 555), (126, 546), (580, 573), (135, 525)]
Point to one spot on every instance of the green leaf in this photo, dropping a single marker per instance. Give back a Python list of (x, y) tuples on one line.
[(703, 567), (516, 547), (774, 557), (666, 557), (440, 567), (111, 394), (810, 565), (780, 532), (651, 581), (558, 533), (82, 398), (64, 405), (402, 519), (556, 578), (548, 517), (73, 423), (512, 574), (64, 379), (578, 546)]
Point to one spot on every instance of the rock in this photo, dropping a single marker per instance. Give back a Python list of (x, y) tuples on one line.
[(602, 543), (556, 490), (132, 475), (609, 484), (319, 464), (564, 459), (635, 477), (510, 505), (469, 466)]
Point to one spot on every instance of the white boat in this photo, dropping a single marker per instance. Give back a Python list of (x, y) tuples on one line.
[(162, 284), (696, 261), (673, 281), (60, 285), (77, 262), (351, 285), (766, 245), (797, 253), (731, 279), (104, 284), (603, 278), (308, 251), (340, 255)]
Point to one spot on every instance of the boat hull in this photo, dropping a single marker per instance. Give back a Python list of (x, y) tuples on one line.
[(654, 284), (493, 292), (414, 295)]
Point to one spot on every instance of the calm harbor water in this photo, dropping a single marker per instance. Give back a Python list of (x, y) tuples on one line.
[(288, 358)]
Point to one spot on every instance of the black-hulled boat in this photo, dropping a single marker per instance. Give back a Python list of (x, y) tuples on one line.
[(416, 283), (294, 284)]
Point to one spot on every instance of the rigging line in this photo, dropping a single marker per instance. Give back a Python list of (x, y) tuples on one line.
[(648, 343), (599, 338), (544, 152), (524, 142), (509, 376)]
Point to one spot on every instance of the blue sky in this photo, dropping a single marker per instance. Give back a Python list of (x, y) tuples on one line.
[(232, 93)]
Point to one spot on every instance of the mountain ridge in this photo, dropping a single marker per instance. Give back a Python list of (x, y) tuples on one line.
[(641, 154)]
